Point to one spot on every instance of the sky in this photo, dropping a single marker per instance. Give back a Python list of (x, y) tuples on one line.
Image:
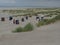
[(30, 3)]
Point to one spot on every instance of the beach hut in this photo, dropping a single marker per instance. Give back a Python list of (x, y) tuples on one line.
[(14, 21), (26, 17), (22, 19), (2, 18), (17, 21), (10, 18), (41, 16)]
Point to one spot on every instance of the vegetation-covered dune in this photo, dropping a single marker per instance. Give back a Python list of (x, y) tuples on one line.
[(34, 11)]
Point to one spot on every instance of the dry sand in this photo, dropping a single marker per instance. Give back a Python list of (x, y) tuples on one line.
[(44, 35)]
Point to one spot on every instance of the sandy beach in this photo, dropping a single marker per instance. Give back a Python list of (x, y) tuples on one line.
[(29, 22), (44, 35)]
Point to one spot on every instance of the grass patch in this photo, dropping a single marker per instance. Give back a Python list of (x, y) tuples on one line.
[(48, 21), (57, 17), (28, 27), (19, 29), (40, 23)]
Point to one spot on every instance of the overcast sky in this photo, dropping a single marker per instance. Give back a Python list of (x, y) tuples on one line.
[(53, 3)]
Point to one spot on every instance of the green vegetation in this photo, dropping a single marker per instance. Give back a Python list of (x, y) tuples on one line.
[(19, 29), (28, 27), (48, 21), (33, 11), (57, 17)]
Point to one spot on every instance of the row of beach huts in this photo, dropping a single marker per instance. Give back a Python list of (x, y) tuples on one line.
[(17, 21)]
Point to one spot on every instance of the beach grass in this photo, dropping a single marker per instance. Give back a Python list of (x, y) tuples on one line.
[(48, 21), (28, 27)]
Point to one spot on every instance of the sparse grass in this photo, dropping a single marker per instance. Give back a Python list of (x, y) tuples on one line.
[(48, 21), (28, 27), (57, 17), (32, 11), (40, 23)]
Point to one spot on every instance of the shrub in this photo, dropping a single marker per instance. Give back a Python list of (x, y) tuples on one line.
[(57, 17), (50, 21), (28, 27), (40, 23), (45, 22), (19, 29)]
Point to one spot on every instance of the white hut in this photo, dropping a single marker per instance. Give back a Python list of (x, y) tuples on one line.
[(41, 16)]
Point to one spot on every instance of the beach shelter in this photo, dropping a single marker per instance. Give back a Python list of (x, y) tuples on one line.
[(41, 16), (14, 21), (2, 18), (22, 19), (26, 17), (10, 18), (17, 21)]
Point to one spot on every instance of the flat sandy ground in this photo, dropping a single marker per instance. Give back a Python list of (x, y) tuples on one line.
[(44, 35)]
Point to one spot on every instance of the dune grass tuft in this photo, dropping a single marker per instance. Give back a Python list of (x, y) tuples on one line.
[(28, 27)]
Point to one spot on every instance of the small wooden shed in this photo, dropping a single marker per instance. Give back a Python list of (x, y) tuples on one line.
[(2, 18)]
